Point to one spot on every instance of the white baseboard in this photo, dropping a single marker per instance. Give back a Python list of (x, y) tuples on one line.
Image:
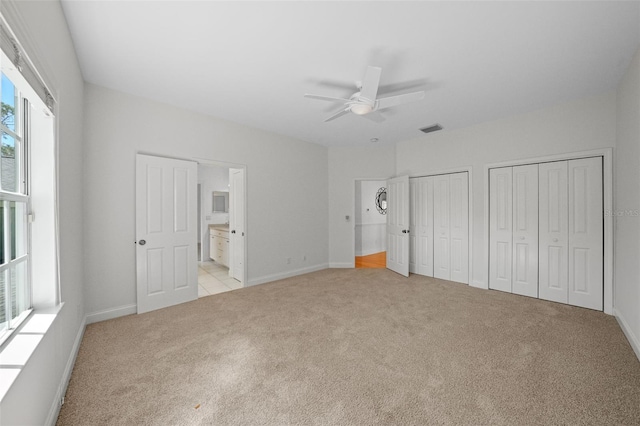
[(479, 284), (52, 418), (633, 340), (111, 313), (287, 274), (342, 265)]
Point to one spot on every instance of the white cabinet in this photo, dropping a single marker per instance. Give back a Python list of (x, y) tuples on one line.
[(219, 245)]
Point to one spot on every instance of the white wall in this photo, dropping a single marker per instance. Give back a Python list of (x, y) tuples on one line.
[(627, 205), (346, 165), (371, 225), (286, 190), (210, 178), (580, 125), (41, 27)]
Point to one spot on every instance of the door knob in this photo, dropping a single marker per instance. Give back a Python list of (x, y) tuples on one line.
[(142, 242), (522, 238), (555, 240), (405, 231), (233, 231)]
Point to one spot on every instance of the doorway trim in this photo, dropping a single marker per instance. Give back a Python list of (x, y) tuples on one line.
[(607, 194), (229, 165)]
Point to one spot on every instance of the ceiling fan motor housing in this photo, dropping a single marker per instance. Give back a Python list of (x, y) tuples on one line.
[(361, 106)]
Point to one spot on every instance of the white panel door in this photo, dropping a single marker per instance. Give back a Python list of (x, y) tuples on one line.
[(553, 232), (586, 233), (459, 227), (398, 225), (441, 228), (500, 228), (166, 232), (414, 203), (236, 223), (525, 230), (422, 225)]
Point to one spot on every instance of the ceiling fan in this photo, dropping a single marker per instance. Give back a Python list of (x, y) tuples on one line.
[(365, 101)]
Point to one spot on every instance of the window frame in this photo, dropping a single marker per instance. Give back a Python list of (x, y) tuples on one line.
[(20, 135)]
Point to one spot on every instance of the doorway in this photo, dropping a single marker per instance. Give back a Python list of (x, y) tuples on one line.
[(221, 228), (370, 224)]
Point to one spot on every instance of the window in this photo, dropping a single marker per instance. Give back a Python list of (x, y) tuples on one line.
[(15, 289)]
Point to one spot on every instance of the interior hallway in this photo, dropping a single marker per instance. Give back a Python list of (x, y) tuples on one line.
[(376, 260)]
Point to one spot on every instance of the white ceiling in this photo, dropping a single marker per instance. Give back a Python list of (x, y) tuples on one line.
[(251, 63)]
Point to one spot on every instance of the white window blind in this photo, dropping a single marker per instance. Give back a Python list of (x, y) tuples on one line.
[(12, 48)]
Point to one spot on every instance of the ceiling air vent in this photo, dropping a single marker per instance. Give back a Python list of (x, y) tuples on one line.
[(430, 129)]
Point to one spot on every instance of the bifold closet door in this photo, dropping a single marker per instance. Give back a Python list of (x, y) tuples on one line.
[(421, 225), (513, 229), (546, 231), (451, 227), (586, 245), (441, 231), (413, 219), (554, 232), (525, 231), (459, 231), (500, 228)]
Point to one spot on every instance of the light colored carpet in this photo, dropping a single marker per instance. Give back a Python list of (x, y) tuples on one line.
[(356, 347)]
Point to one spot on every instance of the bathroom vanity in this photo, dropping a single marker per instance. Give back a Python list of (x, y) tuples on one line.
[(219, 244)]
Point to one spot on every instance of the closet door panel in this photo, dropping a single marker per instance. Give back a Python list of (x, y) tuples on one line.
[(553, 233), (525, 230), (459, 229), (414, 203), (425, 227), (585, 233), (500, 228), (441, 227)]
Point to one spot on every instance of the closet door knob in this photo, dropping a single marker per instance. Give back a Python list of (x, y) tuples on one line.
[(142, 242), (555, 240), (522, 238)]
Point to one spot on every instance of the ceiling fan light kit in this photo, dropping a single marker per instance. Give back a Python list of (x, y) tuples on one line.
[(361, 109), (365, 101)]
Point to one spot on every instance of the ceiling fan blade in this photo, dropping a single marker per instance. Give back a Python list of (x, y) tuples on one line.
[(370, 84), (338, 114), (406, 86), (335, 84), (392, 101), (374, 116), (325, 98)]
